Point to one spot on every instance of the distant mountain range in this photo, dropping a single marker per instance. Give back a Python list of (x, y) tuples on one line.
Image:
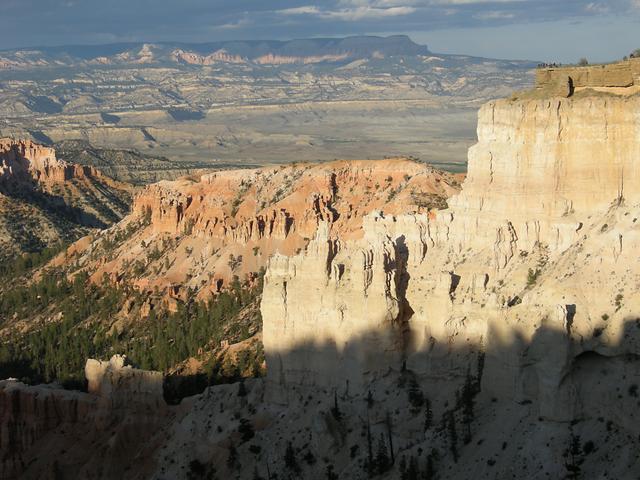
[(271, 52), (249, 102)]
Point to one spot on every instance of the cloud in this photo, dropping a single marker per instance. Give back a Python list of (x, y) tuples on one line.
[(350, 14), (597, 7), (55, 22), (494, 16)]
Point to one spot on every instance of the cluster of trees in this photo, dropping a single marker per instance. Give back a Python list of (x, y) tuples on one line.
[(173, 337), (463, 408), (57, 350), (412, 470), (28, 261)]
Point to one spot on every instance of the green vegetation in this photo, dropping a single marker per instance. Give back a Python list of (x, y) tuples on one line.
[(618, 301), (188, 226), (28, 261), (180, 335), (57, 349), (532, 277), (573, 457)]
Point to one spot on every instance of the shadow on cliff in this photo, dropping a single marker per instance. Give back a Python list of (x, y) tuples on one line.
[(536, 391), (491, 358), (550, 370), (550, 378), (54, 206)]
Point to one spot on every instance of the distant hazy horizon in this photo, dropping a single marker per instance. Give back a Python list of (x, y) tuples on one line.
[(545, 30)]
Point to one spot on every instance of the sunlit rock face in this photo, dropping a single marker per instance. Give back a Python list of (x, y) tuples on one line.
[(546, 165), (22, 160), (530, 268), (207, 230), (122, 386), (525, 288)]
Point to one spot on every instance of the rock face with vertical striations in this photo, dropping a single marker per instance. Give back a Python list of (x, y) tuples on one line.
[(24, 160), (40, 425), (208, 230), (496, 338), (531, 269)]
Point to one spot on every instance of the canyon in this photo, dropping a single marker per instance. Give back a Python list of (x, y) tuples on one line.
[(45, 201), (208, 229), (408, 324)]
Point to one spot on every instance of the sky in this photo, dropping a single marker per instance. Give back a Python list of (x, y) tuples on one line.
[(545, 30)]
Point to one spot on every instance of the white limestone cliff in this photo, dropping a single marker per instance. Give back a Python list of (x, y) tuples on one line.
[(532, 267)]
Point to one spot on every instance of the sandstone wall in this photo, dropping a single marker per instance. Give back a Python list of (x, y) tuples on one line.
[(544, 166), (229, 223), (48, 432), (622, 74), (526, 266), (122, 386), (25, 160)]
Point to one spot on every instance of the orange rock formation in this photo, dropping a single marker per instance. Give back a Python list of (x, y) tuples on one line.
[(202, 233)]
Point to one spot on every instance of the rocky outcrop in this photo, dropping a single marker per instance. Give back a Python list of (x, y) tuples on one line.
[(123, 386), (23, 160), (193, 58), (45, 201), (525, 282), (565, 80), (202, 233), (40, 425), (496, 338), (271, 59), (303, 51)]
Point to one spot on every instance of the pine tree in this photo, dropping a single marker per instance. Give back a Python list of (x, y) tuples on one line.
[(389, 426), (232, 458), (416, 397), (429, 473), (468, 402), (413, 471), (370, 461), (404, 474), (242, 390), (453, 434), (256, 475), (573, 458), (428, 415), (480, 366), (335, 410), (331, 475), (290, 459), (382, 456), (369, 399)]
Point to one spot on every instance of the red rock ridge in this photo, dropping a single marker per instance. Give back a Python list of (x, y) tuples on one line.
[(228, 223), (24, 160)]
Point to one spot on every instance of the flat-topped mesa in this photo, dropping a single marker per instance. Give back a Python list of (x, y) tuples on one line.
[(24, 160), (621, 77)]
